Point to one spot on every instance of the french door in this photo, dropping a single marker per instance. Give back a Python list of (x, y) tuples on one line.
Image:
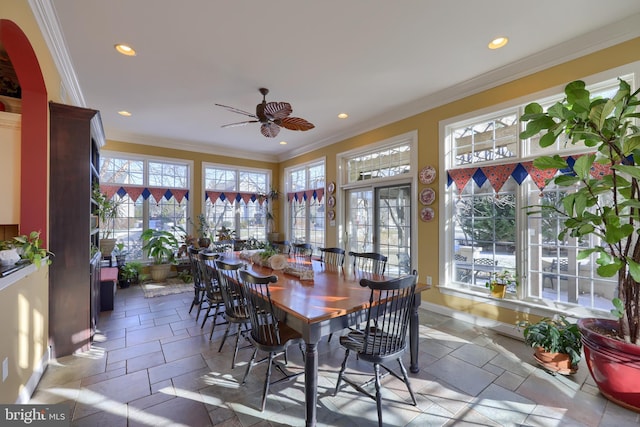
[(379, 220)]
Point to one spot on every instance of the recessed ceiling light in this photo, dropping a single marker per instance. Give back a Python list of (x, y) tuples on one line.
[(283, 142), (125, 49), (498, 42), (124, 113), (343, 115)]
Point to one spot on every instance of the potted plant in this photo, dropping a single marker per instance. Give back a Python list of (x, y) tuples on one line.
[(130, 273), (161, 246), (204, 231), (30, 248), (500, 281), (107, 210), (607, 207), (557, 343), (120, 253)]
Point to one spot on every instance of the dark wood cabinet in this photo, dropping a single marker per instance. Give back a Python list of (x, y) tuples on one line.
[(74, 276)]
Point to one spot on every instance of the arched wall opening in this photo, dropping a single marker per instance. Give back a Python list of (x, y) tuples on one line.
[(34, 130)]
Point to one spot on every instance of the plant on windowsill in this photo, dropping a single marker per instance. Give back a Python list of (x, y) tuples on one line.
[(120, 253), (606, 207), (161, 246), (107, 210), (500, 281), (557, 343), (204, 231), (25, 249)]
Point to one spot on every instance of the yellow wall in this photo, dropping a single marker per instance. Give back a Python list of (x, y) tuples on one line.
[(24, 316), (24, 306)]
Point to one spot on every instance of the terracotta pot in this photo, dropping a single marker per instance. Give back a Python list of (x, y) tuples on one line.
[(556, 362), (498, 290), (204, 242), (614, 364)]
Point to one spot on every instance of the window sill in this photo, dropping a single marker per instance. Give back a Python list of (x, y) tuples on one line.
[(542, 308)]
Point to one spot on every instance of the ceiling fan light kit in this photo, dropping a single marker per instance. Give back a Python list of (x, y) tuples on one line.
[(272, 116)]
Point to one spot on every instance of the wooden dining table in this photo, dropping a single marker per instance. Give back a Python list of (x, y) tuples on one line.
[(331, 302)]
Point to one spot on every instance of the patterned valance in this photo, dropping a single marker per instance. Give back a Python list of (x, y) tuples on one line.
[(304, 195), (234, 196), (135, 191), (497, 175)]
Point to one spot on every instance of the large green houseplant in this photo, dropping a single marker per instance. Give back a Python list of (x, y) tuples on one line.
[(607, 207), (161, 246)]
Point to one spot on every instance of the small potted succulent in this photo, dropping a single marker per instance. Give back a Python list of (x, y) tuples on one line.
[(557, 343)]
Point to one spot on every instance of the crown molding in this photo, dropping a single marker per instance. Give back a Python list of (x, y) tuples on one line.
[(49, 24), (197, 147)]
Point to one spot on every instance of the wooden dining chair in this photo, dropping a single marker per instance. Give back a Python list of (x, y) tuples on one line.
[(385, 336), (213, 296), (369, 262), (198, 286), (236, 310), (268, 334), (332, 256), (282, 247), (302, 250)]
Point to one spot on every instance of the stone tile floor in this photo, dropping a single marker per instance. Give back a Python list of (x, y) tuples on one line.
[(152, 365)]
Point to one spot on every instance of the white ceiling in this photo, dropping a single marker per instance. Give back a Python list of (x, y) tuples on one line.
[(378, 61)]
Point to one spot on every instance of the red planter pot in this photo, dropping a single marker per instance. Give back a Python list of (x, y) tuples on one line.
[(614, 365)]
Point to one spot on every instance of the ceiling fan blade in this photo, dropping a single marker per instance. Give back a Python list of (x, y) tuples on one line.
[(270, 130), (237, 110), (277, 110), (230, 125), (296, 123)]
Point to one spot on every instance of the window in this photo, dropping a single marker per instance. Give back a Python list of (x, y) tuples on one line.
[(154, 193), (306, 204), (236, 199), (378, 191), (491, 223)]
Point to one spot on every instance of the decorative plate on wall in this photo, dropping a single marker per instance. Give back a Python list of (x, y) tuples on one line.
[(427, 196), (331, 187), (331, 201), (427, 174), (427, 214), (331, 214)]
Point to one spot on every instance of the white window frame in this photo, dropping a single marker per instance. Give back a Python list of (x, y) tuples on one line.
[(343, 184), (146, 159), (446, 225), (237, 170), (288, 189)]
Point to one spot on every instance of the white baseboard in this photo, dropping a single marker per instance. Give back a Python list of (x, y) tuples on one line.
[(32, 383), (499, 327)]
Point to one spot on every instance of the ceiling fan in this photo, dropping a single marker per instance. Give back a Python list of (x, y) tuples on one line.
[(272, 116)]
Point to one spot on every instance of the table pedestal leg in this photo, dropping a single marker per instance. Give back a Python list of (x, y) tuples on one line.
[(413, 335), (311, 382)]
